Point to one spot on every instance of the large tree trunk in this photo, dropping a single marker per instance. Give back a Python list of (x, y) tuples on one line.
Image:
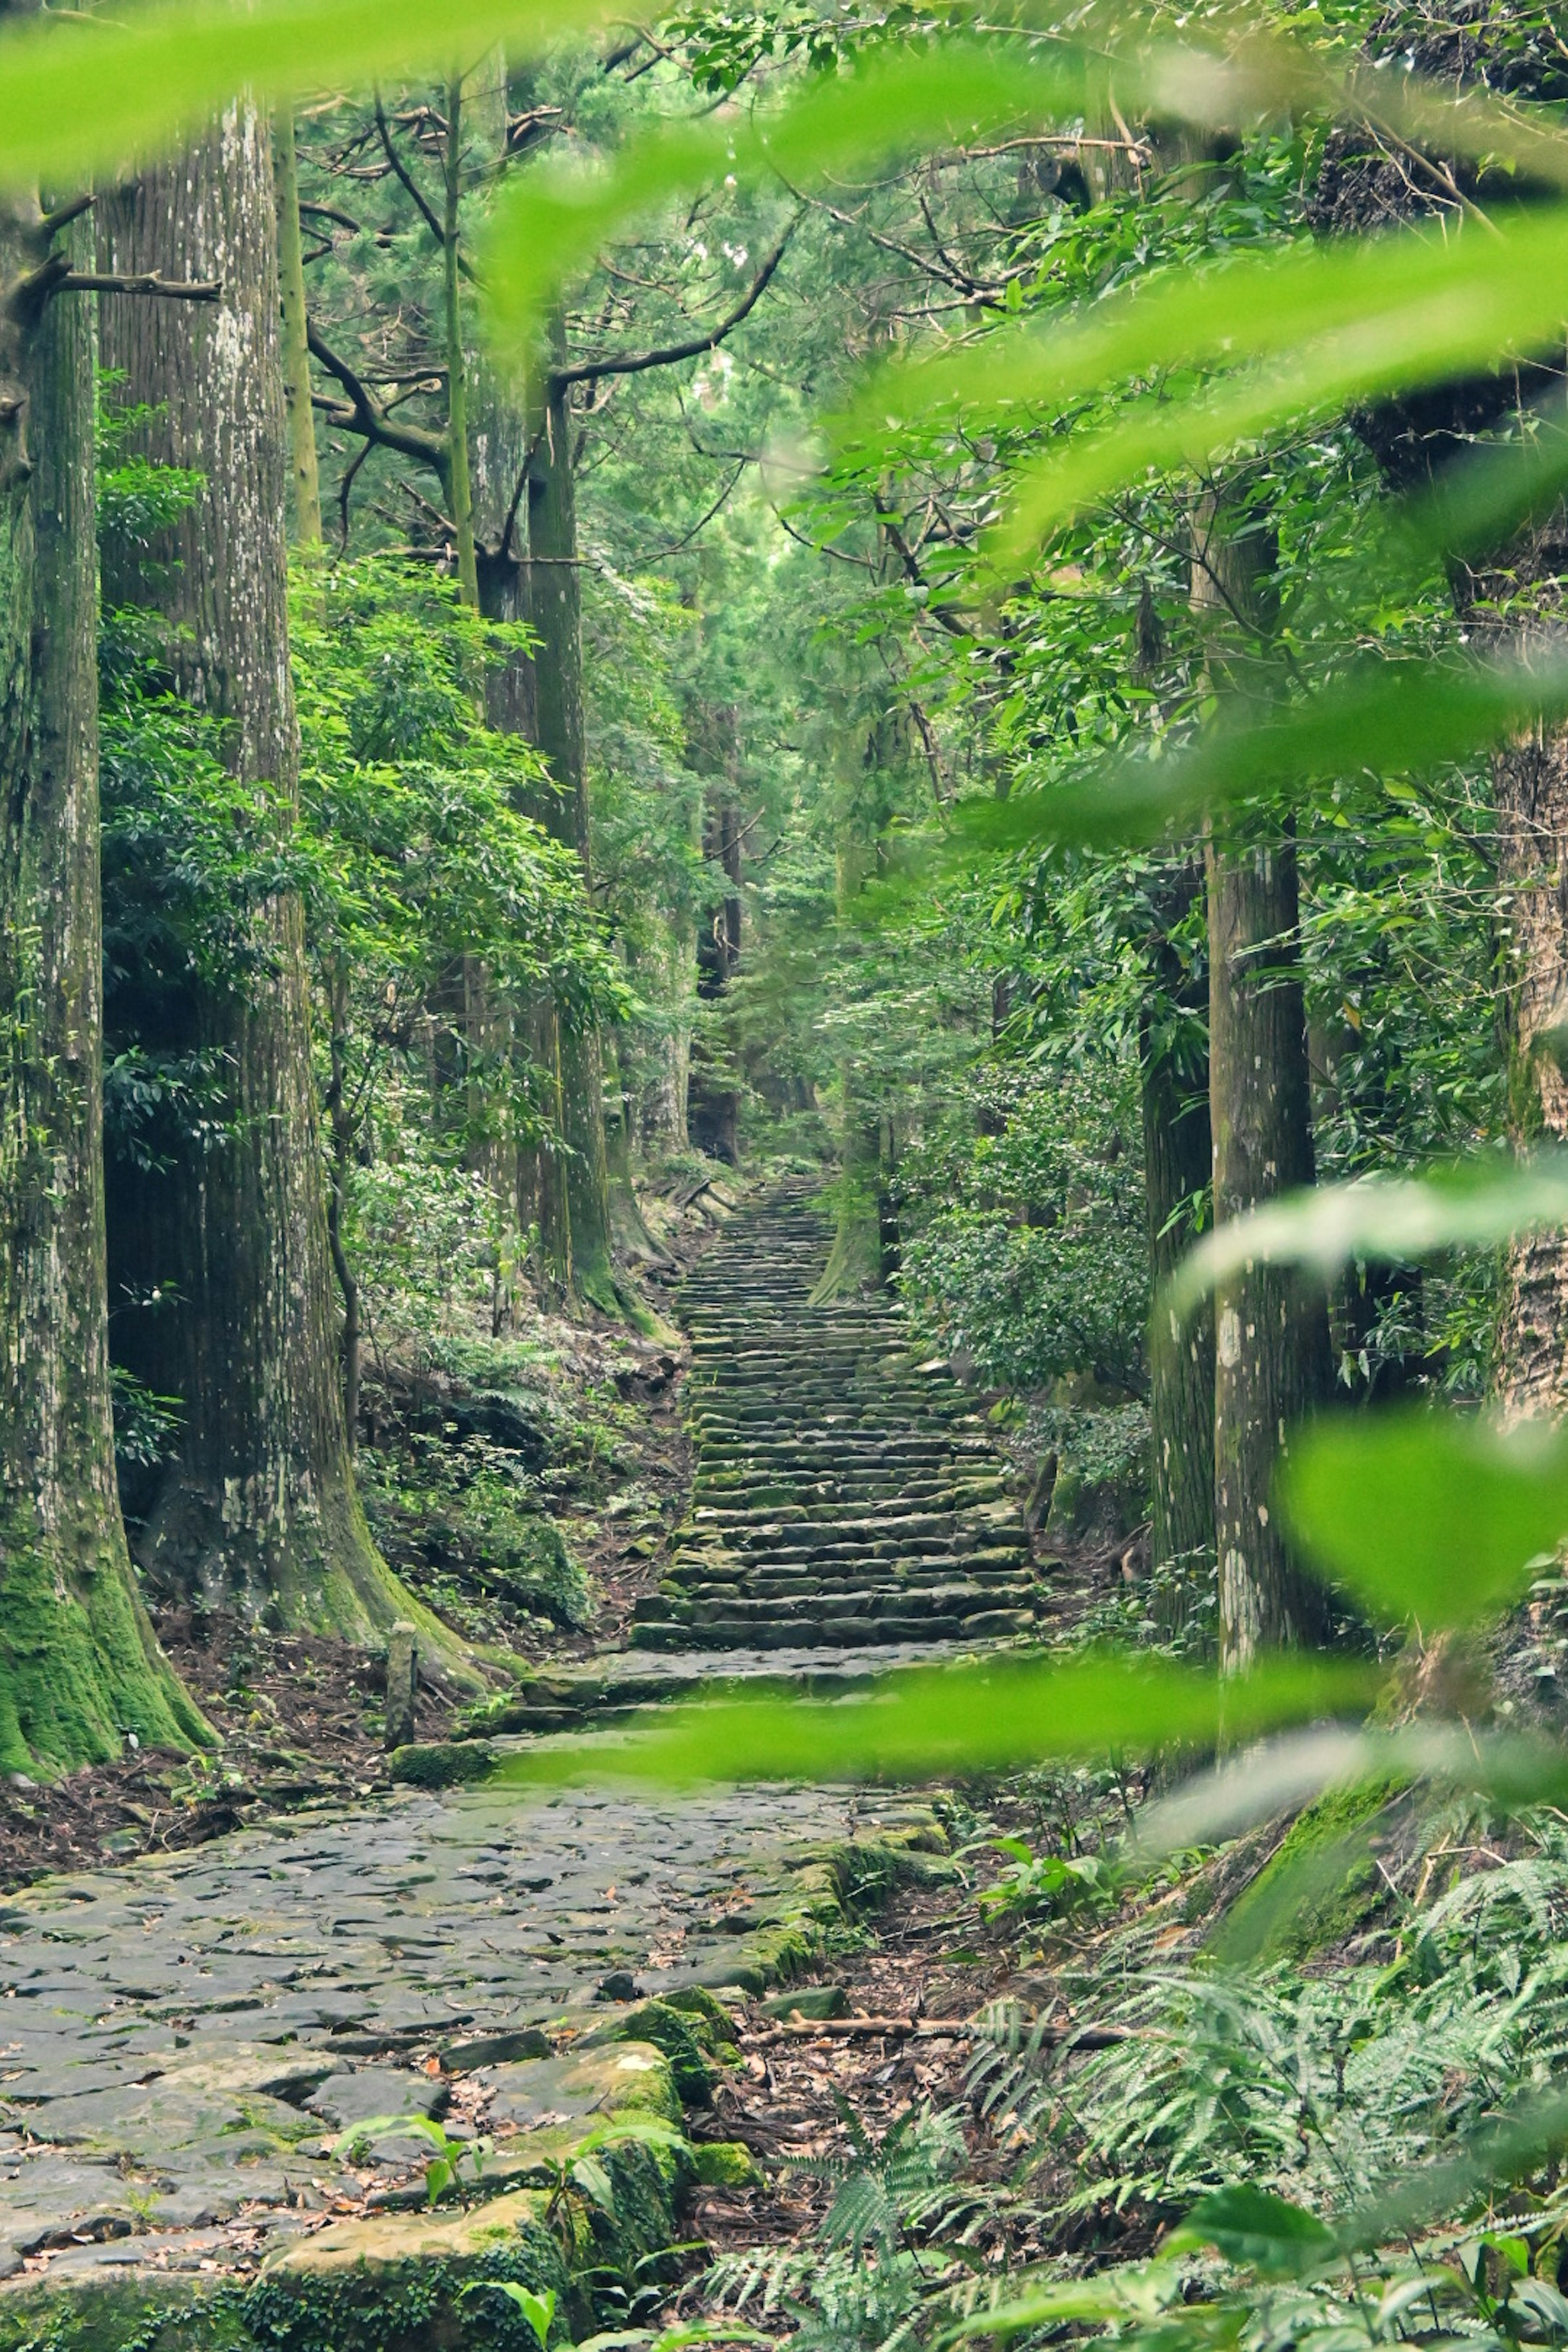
[(558, 619), (537, 1170), (304, 472), (1271, 1341), (260, 1510), (78, 1664), (1177, 1168)]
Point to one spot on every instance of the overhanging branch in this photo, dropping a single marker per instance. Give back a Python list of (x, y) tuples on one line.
[(670, 354), (358, 413)]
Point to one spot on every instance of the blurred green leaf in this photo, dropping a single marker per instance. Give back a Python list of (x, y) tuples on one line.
[(1389, 1219), (1429, 1514), (79, 100), (1247, 2224), (1393, 314), (926, 1723), (1387, 719), (1403, 309)]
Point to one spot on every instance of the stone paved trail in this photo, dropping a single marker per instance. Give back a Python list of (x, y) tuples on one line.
[(182, 2042), (846, 1493)]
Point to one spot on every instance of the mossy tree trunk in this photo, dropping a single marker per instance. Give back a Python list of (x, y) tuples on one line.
[(79, 1664), (1271, 1340), (260, 1511)]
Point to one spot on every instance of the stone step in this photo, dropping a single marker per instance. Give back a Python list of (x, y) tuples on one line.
[(846, 1492)]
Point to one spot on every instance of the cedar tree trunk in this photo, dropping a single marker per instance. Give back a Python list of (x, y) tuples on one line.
[(1271, 1341), (558, 620), (1177, 1167), (78, 1664), (260, 1511)]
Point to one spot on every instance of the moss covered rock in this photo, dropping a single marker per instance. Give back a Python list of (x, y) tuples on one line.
[(443, 1763)]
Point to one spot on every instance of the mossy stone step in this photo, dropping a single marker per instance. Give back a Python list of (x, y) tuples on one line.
[(845, 1490)]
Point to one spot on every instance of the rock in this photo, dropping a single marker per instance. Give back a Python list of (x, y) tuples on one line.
[(369, 2091), (626, 2078), (808, 2001), (443, 1764), (619, 1985), (402, 1685), (468, 2052)]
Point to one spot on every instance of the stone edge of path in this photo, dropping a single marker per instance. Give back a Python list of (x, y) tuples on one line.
[(624, 1683), (395, 2280)]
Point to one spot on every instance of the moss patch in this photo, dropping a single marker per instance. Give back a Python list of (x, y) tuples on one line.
[(442, 1764)]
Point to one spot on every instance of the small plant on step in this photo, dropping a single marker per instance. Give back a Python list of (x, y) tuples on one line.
[(1036, 1883), (539, 2310), (578, 2185), (448, 2156)]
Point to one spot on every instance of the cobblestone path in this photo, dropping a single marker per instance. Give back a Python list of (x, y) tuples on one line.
[(181, 2040), (184, 2041)]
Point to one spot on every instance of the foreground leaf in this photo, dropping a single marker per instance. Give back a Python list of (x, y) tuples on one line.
[(1247, 2224), (926, 1723), (1387, 719), (1432, 1516), (79, 100), (1390, 1220)]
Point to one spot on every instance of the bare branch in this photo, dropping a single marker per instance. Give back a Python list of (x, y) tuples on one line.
[(146, 281), (670, 354), (361, 415)]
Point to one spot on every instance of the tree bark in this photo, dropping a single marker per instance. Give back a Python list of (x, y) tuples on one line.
[(460, 480), (296, 350), (1531, 790), (260, 1511), (79, 1664), (558, 620), (1271, 1343), (1177, 1168)]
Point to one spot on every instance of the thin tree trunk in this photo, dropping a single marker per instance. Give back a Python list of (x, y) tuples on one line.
[(1531, 792), (260, 1510), (79, 1664), (340, 1118), (558, 619), (296, 350), (457, 353), (1177, 1168), (1271, 1347)]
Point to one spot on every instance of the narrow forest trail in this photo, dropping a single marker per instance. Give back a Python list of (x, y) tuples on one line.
[(845, 1493), (184, 2040)]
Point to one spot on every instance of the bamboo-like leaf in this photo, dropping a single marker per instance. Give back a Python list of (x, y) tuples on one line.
[(1385, 719), (1385, 1219), (79, 100), (1295, 1770), (924, 1724), (554, 220), (1432, 311), (1435, 1516), (1366, 319)]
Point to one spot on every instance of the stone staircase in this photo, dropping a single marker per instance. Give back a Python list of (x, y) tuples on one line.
[(846, 1493)]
